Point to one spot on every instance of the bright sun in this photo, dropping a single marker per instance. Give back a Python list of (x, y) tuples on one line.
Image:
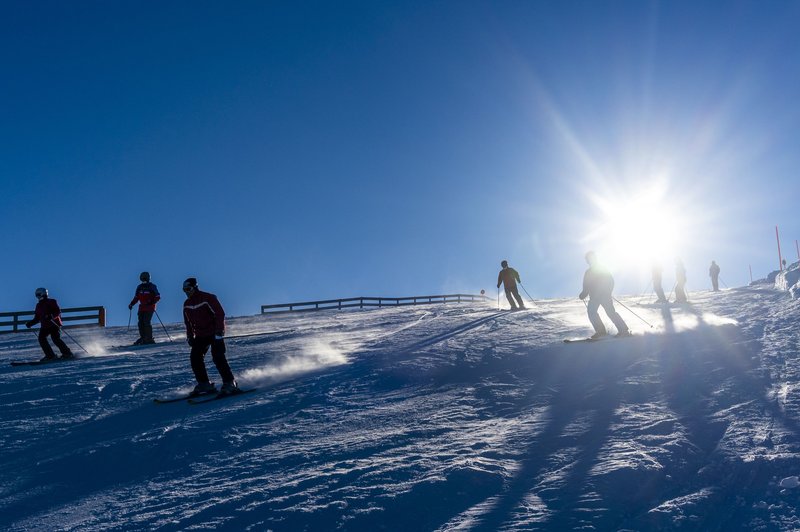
[(636, 231)]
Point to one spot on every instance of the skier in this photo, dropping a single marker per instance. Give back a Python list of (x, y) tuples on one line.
[(680, 282), (713, 272), (147, 296), (598, 285), (48, 313), (205, 326), (509, 277), (657, 288)]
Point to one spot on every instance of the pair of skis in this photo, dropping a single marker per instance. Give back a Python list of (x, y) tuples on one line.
[(588, 340), (199, 398)]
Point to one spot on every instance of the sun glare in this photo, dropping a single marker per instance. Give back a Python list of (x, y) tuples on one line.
[(636, 231)]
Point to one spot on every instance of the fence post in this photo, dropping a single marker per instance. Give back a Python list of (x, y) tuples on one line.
[(101, 317)]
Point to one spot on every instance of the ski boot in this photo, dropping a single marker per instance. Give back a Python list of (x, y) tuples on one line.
[(204, 388), (229, 388)]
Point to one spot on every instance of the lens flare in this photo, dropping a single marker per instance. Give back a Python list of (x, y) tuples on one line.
[(638, 230)]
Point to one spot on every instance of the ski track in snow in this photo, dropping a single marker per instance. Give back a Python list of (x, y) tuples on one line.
[(451, 417)]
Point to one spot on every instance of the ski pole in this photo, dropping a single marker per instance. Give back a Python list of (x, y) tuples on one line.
[(527, 294), (724, 283), (130, 313), (632, 312), (61, 329), (162, 325), (498, 298)]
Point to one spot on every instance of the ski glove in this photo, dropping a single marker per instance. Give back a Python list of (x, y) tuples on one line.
[(190, 341), (130, 307), (29, 324)]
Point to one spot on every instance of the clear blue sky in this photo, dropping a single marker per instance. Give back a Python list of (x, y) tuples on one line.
[(292, 151)]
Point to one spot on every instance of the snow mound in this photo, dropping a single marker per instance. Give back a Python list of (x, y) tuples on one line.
[(788, 279)]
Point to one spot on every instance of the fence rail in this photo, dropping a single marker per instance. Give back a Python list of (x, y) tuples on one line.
[(365, 302), (95, 316)]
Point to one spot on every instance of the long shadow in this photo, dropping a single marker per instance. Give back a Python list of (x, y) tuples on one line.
[(413, 348), (703, 372), (450, 334), (669, 322), (693, 365), (587, 384)]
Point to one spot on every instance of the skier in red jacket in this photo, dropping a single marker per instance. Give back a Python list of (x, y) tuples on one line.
[(48, 313), (205, 326), (147, 296)]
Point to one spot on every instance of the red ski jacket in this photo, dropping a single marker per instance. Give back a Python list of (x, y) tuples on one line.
[(47, 311), (147, 295), (203, 315)]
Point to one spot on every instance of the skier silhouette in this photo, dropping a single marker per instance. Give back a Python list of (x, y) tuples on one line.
[(509, 277), (598, 285), (680, 282), (657, 288), (713, 272)]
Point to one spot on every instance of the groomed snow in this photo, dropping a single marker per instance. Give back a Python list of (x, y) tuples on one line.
[(441, 417)]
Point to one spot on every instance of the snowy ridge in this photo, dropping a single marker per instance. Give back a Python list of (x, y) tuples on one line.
[(789, 279), (457, 417)]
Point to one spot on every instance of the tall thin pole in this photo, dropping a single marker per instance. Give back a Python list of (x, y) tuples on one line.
[(162, 325), (780, 259), (632, 312), (798, 249), (61, 329), (751, 273)]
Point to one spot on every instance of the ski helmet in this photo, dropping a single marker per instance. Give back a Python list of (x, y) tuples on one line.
[(144, 277), (40, 293), (189, 284), (504, 263)]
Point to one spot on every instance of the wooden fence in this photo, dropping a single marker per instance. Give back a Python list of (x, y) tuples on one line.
[(89, 316), (362, 302)]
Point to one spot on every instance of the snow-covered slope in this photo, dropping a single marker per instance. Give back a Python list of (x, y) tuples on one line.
[(452, 417)]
